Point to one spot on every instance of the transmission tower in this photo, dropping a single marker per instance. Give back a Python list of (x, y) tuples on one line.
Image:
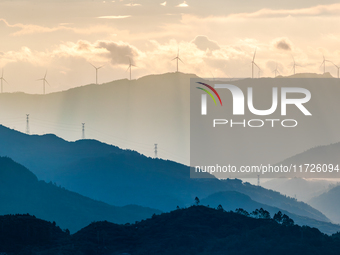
[(83, 131), (156, 150), (258, 180), (27, 124)]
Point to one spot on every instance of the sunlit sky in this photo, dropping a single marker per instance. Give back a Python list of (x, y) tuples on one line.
[(215, 38)]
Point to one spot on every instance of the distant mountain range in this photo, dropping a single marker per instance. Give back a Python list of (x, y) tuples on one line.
[(231, 200), (195, 230), (21, 192), (156, 109), (301, 189), (123, 177), (326, 154), (328, 203)]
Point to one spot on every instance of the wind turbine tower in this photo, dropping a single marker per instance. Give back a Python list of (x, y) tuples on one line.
[(338, 67), (324, 64), (130, 67), (276, 71), (253, 64), (44, 81), (27, 124), (156, 150), (82, 130), (97, 68), (294, 64), (2, 80), (177, 59)]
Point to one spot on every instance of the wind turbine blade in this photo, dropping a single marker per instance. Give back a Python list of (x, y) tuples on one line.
[(40, 79), (174, 59), (128, 68), (45, 74), (47, 82), (257, 66), (322, 63), (180, 60), (254, 54), (4, 80), (99, 67), (93, 66), (2, 75)]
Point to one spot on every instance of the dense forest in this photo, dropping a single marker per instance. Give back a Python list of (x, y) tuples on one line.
[(194, 230)]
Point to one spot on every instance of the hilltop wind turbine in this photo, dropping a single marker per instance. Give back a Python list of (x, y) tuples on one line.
[(338, 67), (2, 79), (324, 63), (97, 68), (44, 81), (294, 64), (130, 66), (252, 65), (276, 71), (177, 58)]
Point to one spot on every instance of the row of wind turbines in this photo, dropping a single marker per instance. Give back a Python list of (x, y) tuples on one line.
[(276, 71), (177, 58)]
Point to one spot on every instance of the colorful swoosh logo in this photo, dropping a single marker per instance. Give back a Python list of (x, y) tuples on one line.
[(208, 92)]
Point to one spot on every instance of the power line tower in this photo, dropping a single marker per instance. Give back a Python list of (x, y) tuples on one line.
[(27, 124), (156, 150), (258, 180), (83, 131)]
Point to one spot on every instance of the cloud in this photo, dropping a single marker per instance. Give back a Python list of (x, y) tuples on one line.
[(203, 43), (164, 4), (118, 53), (319, 10), (114, 17), (28, 29), (32, 29), (283, 44), (184, 4), (132, 4)]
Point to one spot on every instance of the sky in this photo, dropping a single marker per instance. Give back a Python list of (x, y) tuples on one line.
[(215, 39)]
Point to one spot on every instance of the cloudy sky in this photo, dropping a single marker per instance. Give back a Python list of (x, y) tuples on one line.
[(216, 37)]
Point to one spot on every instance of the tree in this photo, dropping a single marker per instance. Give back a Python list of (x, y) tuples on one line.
[(197, 200), (278, 217), (286, 221), (242, 212), (255, 213), (219, 207), (264, 214)]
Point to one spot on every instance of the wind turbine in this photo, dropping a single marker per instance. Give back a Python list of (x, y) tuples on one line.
[(294, 64), (252, 65), (44, 81), (96, 72), (324, 64), (2, 79), (130, 66), (276, 71), (338, 67), (177, 58)]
